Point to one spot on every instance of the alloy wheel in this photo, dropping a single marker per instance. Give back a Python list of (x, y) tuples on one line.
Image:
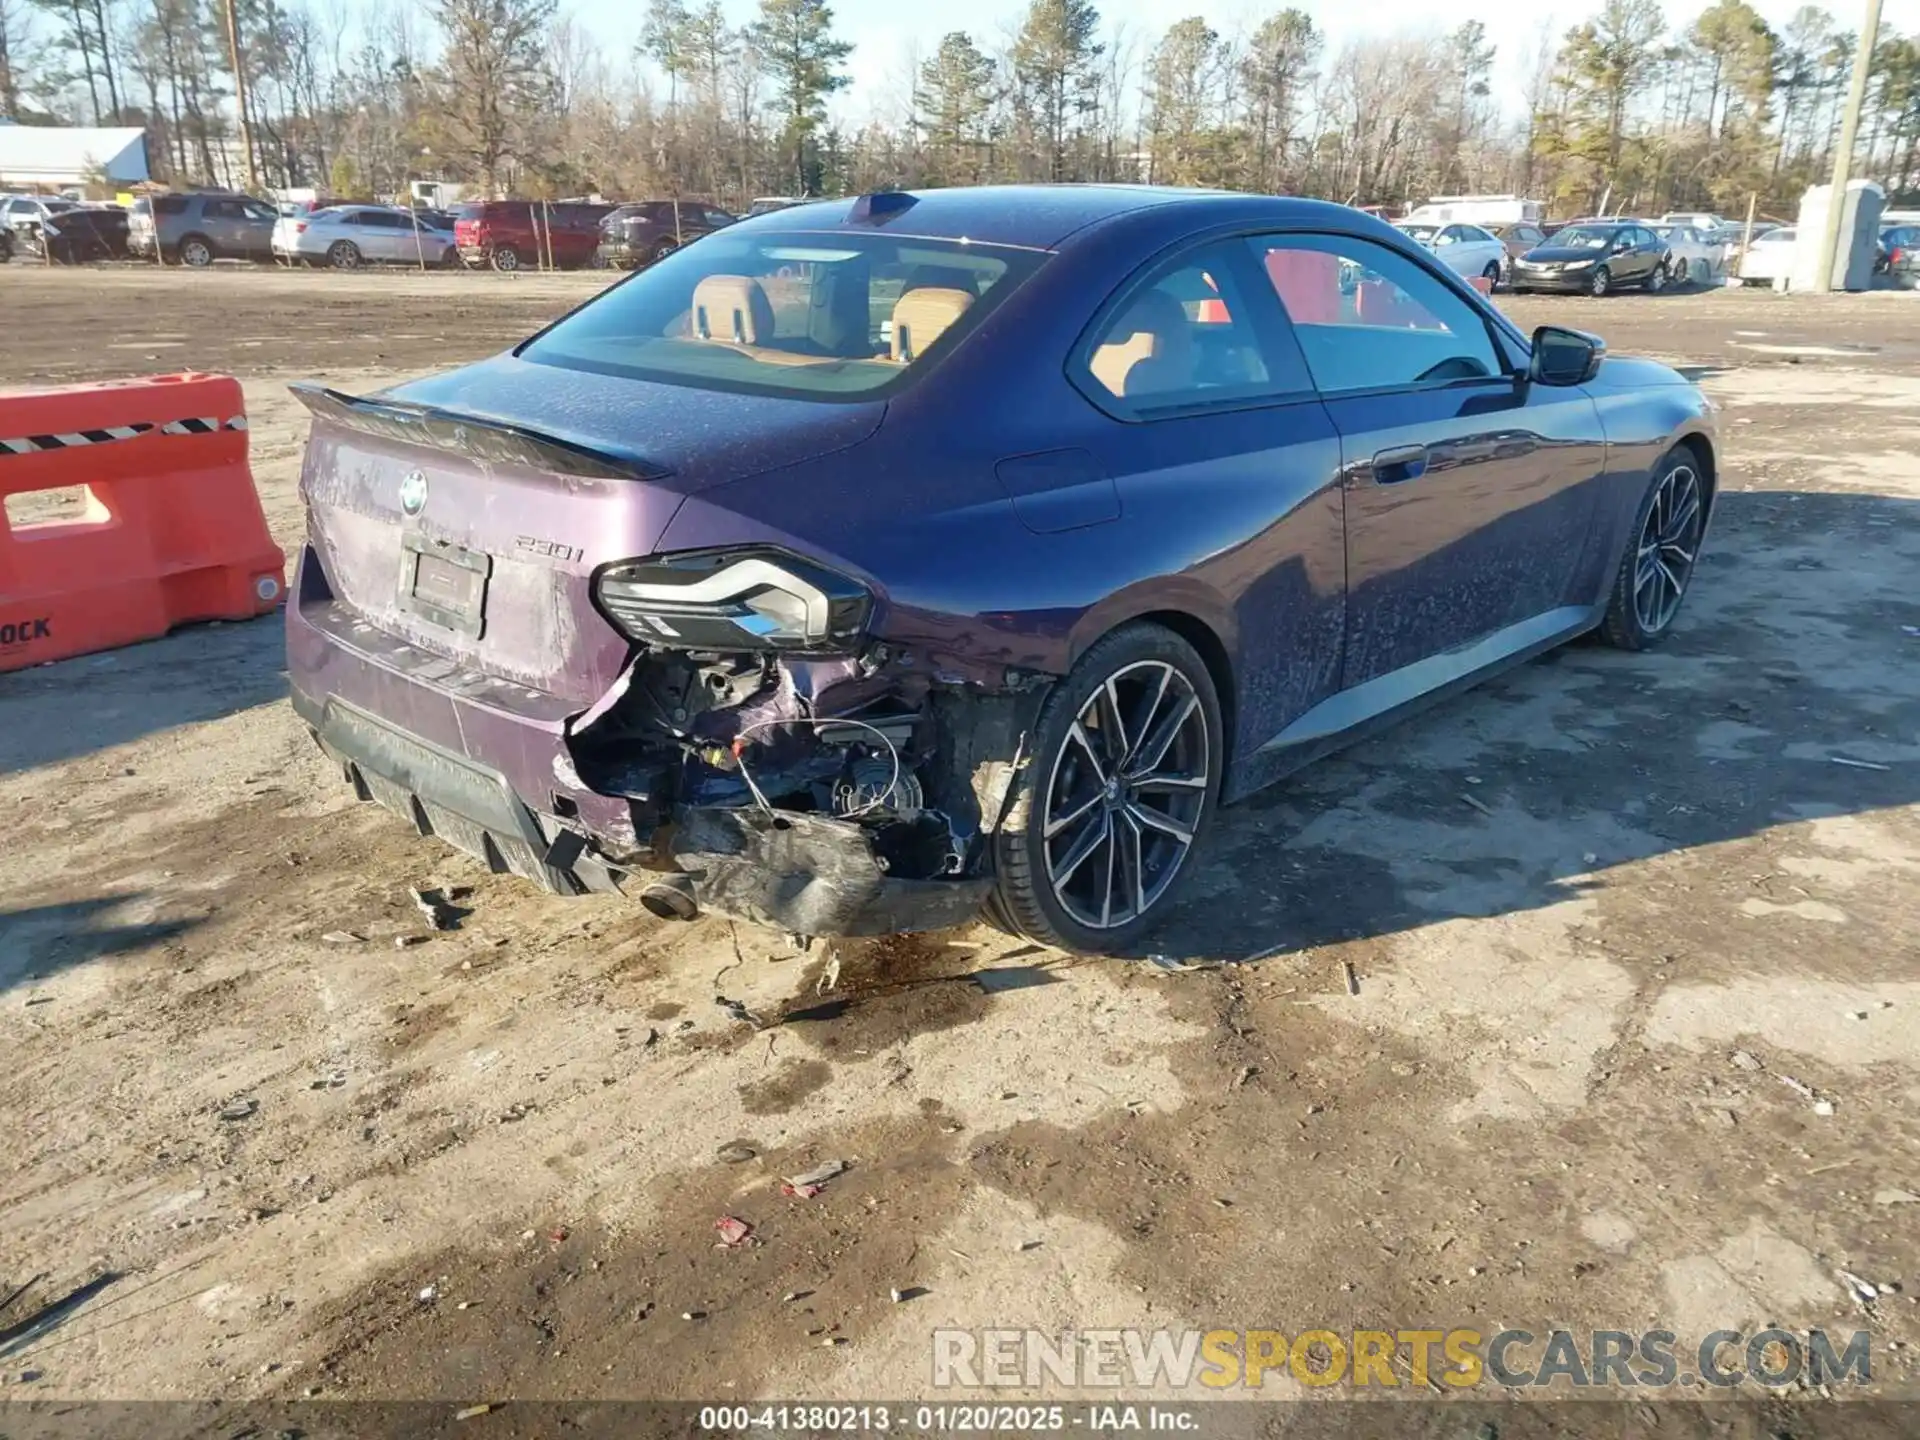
[(506, 258), (1668, 544), (1127, 791), (1601, 280), (196, 253), (1657, 281), (345, 255)]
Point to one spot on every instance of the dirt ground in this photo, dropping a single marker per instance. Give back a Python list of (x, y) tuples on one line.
[(1635, 1043)]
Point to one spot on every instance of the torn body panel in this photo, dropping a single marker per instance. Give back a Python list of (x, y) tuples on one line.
[(825, 796)]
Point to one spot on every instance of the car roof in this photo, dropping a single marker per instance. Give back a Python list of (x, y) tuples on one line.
[(1036, 216)]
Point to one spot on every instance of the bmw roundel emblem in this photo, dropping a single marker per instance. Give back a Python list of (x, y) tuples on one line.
[(413, 492)]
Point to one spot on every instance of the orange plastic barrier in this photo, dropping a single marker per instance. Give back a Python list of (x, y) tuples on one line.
[(172, 530)]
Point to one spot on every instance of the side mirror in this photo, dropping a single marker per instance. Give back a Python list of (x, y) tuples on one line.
[(1565, 357)]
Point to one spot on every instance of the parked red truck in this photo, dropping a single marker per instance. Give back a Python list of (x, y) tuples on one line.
[(527, 234)]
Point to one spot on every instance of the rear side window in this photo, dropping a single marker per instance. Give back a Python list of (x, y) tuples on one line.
[(1191, 336), (1369, 318), (802, 315), (170, 205)]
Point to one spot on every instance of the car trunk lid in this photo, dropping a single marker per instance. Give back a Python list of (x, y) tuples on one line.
[(467, 514)]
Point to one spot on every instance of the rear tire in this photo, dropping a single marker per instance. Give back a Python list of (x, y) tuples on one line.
[(344, 255), (450, 258), (196, 252), (1128, 756), (661, 251), (1657, 281), (505, 259), (1661, 555)]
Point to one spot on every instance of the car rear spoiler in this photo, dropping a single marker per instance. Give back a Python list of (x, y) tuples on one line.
[(469, 435)]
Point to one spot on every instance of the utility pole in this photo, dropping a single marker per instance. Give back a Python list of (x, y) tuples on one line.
[(1843, 154), (240, 93)]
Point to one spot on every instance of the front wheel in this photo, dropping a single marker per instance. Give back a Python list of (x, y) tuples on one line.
[(1701, 273), (1655, 571), (1128, 754), (1601, 282), (1491, 274)]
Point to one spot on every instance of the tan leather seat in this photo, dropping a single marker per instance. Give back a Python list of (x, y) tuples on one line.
[(732, 310), (1149, 350), (922, 316)]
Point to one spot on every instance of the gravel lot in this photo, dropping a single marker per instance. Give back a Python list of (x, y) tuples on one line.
[(1568, 899)]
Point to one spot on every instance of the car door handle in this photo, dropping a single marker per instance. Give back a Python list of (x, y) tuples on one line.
[(1404, 462)]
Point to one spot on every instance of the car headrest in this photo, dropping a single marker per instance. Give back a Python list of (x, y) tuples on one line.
[(922, 316), (1149, 348), (732, 310)]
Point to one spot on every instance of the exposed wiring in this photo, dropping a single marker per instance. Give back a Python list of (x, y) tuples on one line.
[(739, 745)]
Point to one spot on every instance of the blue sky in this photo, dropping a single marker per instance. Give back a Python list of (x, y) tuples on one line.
[(888, 33)]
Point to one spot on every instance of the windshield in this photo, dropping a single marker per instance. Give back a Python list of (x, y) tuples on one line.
[(1585, 237), (819, 316)]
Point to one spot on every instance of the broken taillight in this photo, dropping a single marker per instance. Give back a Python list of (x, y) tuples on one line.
[(299, 227)]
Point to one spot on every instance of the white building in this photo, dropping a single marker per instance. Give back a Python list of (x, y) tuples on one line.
[(51, 157)]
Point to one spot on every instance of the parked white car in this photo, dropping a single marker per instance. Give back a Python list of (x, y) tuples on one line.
[(1702, 220), (349, 236), (1693, 257), (1467, 250), (1770, 257)]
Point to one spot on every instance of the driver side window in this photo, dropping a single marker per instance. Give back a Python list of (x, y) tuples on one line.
[(1369, 318)]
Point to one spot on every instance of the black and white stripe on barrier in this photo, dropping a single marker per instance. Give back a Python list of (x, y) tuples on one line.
[(36, 444)]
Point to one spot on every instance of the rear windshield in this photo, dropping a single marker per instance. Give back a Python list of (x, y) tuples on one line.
[(819, 316)]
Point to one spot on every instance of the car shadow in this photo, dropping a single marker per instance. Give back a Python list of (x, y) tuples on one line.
[(70, 708), (38, 940), (1790, 689)]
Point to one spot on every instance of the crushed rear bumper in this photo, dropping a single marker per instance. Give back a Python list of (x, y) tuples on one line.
[(806, 874), (499, 784)]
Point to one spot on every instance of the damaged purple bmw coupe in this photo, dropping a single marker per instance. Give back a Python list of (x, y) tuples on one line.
[(868, 563)]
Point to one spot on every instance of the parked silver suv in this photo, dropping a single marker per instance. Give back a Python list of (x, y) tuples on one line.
[(197, 229)]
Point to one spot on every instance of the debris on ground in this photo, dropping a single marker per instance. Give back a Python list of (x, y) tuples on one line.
[(472, 1411), (1353, 980), (1862, 1291), (1823, 1107), (1895, 1197), (343, 937), (735, 1152), (809, 1184), (1476, 804), (428, 1294), (1799, 1087), (437, 907), (736, 1011), (733, 1231), (1246, 1073), (902, 1294), (402, 942), (829, 974), (1182, 967), (1858, 764), (1745, 1060), (239, 1109)]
